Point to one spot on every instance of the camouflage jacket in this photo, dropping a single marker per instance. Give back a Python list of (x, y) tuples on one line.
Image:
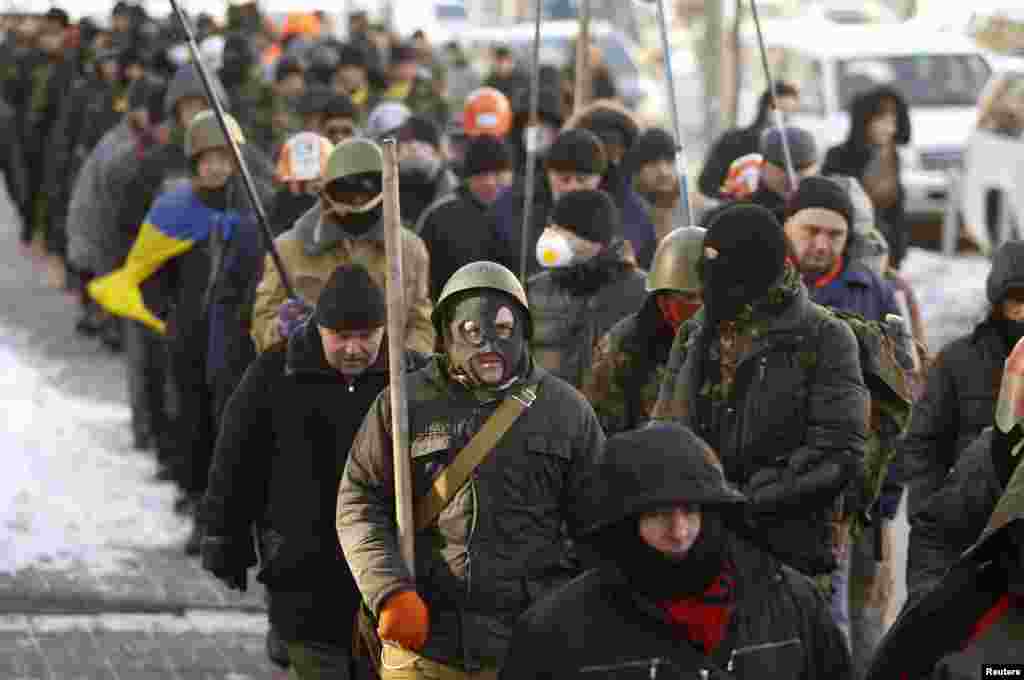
[(628, 367), (266, 118)]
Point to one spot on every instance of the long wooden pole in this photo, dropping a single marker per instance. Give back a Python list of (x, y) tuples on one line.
[(670, 86), (583, 86), (532, 145), (396, 358)]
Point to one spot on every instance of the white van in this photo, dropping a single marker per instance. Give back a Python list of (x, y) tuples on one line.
[(939, 74)]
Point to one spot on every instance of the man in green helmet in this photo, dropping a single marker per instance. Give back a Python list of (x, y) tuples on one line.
[(503, 518), (346, 226), (630, 360)]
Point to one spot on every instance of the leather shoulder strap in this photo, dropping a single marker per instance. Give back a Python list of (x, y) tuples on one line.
[(458, 472)]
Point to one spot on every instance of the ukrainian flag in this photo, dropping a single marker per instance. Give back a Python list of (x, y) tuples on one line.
[(177, 220)]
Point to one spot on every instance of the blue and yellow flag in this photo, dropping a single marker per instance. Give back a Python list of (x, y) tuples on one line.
[(177, 220)]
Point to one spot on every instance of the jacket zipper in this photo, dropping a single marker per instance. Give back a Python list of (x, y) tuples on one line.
[(757, 648)]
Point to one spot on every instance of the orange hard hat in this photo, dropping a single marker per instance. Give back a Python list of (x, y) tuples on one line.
[(487, 112), (303, 158)]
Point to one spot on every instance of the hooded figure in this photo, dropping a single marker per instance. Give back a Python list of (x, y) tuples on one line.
[(423, 174), (589, 284), (678, 593), (974, 594), (732, 376), (879, 123), (960, 392), (488, 547)]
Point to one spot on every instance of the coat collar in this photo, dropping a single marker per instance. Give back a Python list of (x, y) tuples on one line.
[(305, 356)]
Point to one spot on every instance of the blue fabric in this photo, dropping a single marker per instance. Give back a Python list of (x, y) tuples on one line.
[(858, 290), (180, 214)]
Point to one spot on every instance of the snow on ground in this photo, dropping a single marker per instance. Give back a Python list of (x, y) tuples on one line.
[(71, 489), (950, 292)]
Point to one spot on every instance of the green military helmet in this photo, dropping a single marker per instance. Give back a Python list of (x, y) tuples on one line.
[(204, 133), (674, 266), (353, 157), (476, 276)]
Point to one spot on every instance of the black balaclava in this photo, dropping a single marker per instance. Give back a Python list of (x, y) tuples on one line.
[(744, 256), (658, 576), (237, 60), (359, 223), (483, 307)]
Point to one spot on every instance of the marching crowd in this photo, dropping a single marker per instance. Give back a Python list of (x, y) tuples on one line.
[(646, 448)]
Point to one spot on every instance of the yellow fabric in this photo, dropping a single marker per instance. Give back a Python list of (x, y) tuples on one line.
[(119, 292), (398, 91), (360, 96), (401, 664)]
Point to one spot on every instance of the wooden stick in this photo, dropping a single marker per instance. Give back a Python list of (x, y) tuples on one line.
[(583, 89), (396, 358)]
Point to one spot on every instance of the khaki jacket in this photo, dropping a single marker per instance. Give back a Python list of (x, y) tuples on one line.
[(295, 247)]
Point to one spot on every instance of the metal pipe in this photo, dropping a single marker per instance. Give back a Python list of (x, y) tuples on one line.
[(250, 186), (681, 165), (532, 145), (773, 89)]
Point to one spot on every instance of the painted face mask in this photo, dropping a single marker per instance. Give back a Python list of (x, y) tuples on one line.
[(355, 219), (487, 340), (554, 250)]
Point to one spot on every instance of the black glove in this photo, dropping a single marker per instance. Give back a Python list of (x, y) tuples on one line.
[(1001, 450), (228, 559)]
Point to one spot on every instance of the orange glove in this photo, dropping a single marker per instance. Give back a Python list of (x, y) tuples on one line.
[(404, 619)]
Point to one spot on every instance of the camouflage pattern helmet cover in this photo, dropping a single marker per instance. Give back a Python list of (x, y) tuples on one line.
[(481, 275), (674, 266), (204, 132)]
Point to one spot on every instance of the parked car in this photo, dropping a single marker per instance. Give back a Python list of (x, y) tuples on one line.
[(940, 75)]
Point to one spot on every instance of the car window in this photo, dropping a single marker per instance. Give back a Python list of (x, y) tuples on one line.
[(924, 80), (450, 12), (559, 51)]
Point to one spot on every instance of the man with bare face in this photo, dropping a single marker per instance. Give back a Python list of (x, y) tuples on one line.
[(505, 525)]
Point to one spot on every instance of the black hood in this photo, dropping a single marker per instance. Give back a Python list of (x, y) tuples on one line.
[(864, 106)]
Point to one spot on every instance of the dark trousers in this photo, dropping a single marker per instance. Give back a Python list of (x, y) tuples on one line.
[(146, 353)]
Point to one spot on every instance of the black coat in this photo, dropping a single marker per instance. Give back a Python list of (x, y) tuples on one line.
[(798, 406), (781, 628), (953, 518), (959, 402), (456, 231), (282, 448)]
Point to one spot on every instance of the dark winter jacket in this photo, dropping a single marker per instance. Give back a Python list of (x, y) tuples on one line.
[(853, 156), (781, 628), (416, 198), (859, 290), (507, 214), (766, 198), (499, 545), (953, 517), (573, 308), (456, 231), (289, 207), (959, 401), (798, 403), (973, 616), (628, 368), (284, 440), (12, 158), (732, 145)]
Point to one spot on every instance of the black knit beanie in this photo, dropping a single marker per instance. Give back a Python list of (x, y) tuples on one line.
[(577, 151), (351, 301), (486, 153), (590, 214), (420, 129), (823, 193), (747, 258), (653, 145), (611, 126)]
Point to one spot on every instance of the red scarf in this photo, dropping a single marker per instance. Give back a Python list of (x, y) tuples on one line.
[(831, 275), (704, 618)]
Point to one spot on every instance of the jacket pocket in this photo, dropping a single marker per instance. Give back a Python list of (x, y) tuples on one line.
[(781, 659)]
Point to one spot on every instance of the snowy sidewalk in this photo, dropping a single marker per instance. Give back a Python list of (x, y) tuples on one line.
[(93, 579)]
